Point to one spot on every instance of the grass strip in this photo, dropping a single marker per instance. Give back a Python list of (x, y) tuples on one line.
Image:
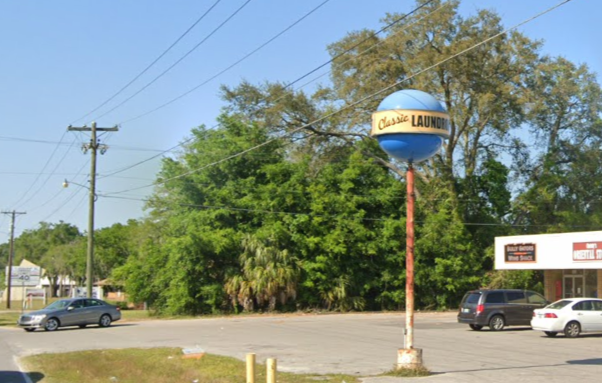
[(156, 365)]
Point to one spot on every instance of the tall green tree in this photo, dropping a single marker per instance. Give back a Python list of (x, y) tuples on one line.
[(112, 246), (314, 206), (54, 248), (561, 179)]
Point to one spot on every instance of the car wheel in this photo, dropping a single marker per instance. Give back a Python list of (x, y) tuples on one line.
[(475, 327), (82, 325), (51, 324), (496, 323), (572, 329), (29, 329), (551, 334), (105, 320)]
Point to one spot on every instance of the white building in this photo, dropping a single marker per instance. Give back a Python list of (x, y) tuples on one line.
[(571, 262), (40, 285)]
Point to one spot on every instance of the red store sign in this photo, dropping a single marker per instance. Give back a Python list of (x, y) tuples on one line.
[(587, 251)]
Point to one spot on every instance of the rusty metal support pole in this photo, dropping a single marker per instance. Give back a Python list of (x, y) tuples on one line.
[(409, 357), (409, 341)]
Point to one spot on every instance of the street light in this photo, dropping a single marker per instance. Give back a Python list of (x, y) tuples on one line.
[(90, 256)]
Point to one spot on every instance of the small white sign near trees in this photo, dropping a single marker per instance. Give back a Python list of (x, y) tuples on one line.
[(24, 276)]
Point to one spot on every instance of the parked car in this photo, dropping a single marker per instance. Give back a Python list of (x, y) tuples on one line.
[(70, 312), (571, 316), (498, 308)]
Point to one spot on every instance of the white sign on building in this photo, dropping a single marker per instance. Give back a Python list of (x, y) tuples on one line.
[(81, 292), (562, 251)]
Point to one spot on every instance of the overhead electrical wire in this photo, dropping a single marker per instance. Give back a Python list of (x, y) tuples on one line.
[(347, 217), (112, 173), (23, 195), (367, 49), (189, 52), (266, 43), (131, 82), (77, 206), (190, 28), (177, 62), (75, 192), (117, 147), (48, 177), (247, 56), (362, 100), (60, 190), (208, 80), (60, 143), (230, 66)]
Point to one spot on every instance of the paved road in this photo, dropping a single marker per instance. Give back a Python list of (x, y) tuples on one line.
[(363, 344)]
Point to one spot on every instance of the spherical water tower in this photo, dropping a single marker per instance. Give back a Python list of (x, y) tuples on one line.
[(410, 125)]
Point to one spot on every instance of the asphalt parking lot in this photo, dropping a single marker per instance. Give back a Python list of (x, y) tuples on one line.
[(363, 344)]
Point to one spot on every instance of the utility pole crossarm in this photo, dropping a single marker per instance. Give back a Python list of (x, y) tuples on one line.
[(86, 129)]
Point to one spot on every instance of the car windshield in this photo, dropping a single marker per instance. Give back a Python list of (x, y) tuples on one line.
[(58, 305), (558, 305)]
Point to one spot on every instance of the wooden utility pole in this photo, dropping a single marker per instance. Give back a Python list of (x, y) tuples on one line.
[(11, 254), (93, 146)]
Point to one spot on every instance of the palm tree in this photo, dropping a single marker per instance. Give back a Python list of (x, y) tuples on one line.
[(268, 275)]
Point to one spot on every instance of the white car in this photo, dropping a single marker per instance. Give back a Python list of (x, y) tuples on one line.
[(572, 316)]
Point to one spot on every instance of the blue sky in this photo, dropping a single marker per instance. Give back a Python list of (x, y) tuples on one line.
[(62, 59)]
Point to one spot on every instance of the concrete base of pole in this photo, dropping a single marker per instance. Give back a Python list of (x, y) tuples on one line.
[(409, 358)]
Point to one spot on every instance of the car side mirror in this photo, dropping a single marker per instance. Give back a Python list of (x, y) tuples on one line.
[(70, 308)]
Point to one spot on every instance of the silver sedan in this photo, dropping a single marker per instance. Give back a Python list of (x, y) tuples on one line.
[(70, 312)]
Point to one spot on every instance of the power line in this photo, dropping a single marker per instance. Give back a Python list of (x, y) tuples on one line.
[(42, 172), (60, 190), (151, 64), (143, 161), (75, 192), (210, 79), (177, 62), (370, 47), (347, 217), (362, 100), (250, 54), (116, 147), (78, 204), (361, 42), (266, 43), (231, 66)]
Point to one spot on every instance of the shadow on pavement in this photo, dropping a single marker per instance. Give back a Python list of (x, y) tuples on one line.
[(17, 377), (500, 368), (583, 362), (505, 329), (90, 328), (595, 361)]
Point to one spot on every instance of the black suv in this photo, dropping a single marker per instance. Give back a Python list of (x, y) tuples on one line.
[(499, 308)]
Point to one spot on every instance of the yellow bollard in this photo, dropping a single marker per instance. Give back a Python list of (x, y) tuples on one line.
[(270, 370), (250, 368)]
